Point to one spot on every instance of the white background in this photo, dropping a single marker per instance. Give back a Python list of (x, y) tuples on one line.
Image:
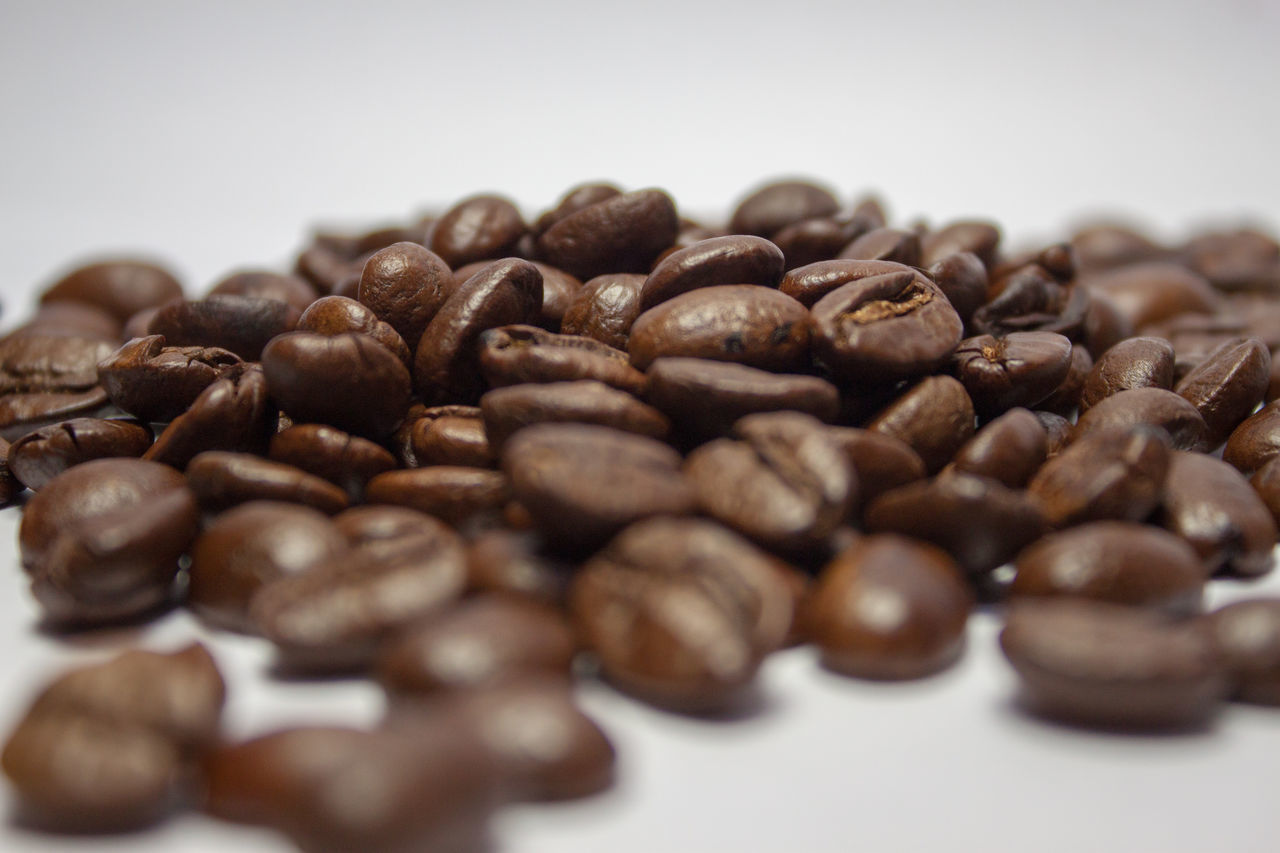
[(214, 135)]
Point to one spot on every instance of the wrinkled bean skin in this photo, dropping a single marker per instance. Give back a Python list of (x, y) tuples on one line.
[(738, 259), (605, 308), (508, 410), (405, 284), (452, 440), (39, 456), (622, 233), (157, 383), (231, 414), (336, 315), (513, 355), (345, 460), (1019, 369)]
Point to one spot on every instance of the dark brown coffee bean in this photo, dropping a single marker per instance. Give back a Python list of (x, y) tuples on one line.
[(345, 460), (888, 608), (1153, 406), (622, 233), (979, 522), (514, 355), (511, 563), (934, 418), (405, 284), (446, 363), (774, 206), (962, 278), (46, 360), (483, 227), (1266, 482), (1131, 363), (1109, 474), (21, 413), (746, 324), (122, 288), (574, 200), (981, 239), (10, 486), (1247, 637), (1212, 506), (267, 285), (1151, 292), (1032, 298), (880, 462), (787, 484), (401, 441), (507, 410), (221, 480), (155, 382), (1104, 325), (249, 546), (1106, 665), (453, 493), (1010, 449), (379, 528), (885, 244), (884, 328), (1116, 561), (1255, 441), (812, 240), (101, 541), (481, 642), (349, 381), (39, 456), (452, 440), (809, 284), (737, 259), (242, 324), (1227, 386), (326, 268), (1107, 245), (705, 398), (583, 483), (1057, 430), (1236, 260), (336, 315), (74, 318), (231, 414), (1066, 397), (1020, 369), (605, 308)]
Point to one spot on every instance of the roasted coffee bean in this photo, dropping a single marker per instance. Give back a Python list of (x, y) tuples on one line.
[(345, 460), (558, 292), (622, 233), (1212, 506), (249, 546), (45, 360), (156, 383), (583, 195), (512, 563), (221, 480), (737, 259), (10, 486), (101, 541), (1247, 637), (336, 315), (1131, 363), (934, 418), (981, 239), (880, 462), (233, 414), (887, 327), (962, 278), (452, 440), (1150, 292), (888, 608), (705, 398), (267, 285), (1010, 449), (1236, 260), (1031, 298), (774, 206), (1266, 482), (446, 362), (326, 267), (1115, 473), (242, 324), (483, 227), (405, 284), (386, 529), (332, 790), (680, 612), (333, 615), (39, 456), (746, 324), (885, 244), (821, 239), (1104, 325), (507, 410), (23, 412), (1107, 245), (1066, 397), (1020, 369), (137, 325), (481, 642), (349, 381), (1057, 430), (1106, 665), (605, 308), (453, 493), (1153, 406), (978, 521), (122, 288), (75, 318), (1227, 386), (583, 483), (810, 283), (401, 441), (1117, 561), (514, 355), (787, 484)]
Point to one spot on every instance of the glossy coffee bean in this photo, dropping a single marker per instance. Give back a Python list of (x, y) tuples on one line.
[(1212, 506), (880, 462), (808, 284), (508, 410), (577, 198), (888, 608), (483, 227), (774, 206), (934, 418), (514, 355), (1255, 441), (1032, 298), (605, 308), (241, 324), (1154, 291), (1247, 637), (45, 360), (812, 240), (260, 284), (1010, 449), (1227, 386), (622, 233), (1116, 561), (453, 493), (746, 324), (345, 460), (221, 480), (39, 456), (981, 239), (1105, 665), (1109, 474), (1133, 363), (10, 486), (405, 284), (1065, 399), (387, 529), (233, 413), (157, 383), (452, 440), (1236, 260), (1106, 245), (1020, 369), (962, 278), (249, 546), (122, 287), (1266, 482), (1151, 406), (514, 564), (737, 259), (885, 244), (20, 413), (337, 315), (1104, 325)]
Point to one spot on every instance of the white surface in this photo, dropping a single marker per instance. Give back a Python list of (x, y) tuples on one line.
[(215, 137)]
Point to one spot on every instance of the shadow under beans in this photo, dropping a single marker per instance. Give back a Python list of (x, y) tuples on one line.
[(751, 703)]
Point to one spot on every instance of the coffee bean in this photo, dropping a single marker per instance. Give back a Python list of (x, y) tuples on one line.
[(221, 480), (23, 412), (962, 278), (1227, 386), (405, 285), (1107, 245), (1010, 449), (1153, 406), (880, 462), (10, 486), (1105, 665), (513, 564), (1212, 506), (622, 233), (1266, 482), (242, 324), (1066, 397), (774, 206), (1116, 561), (1117, 473), (1020, 369), (1057, 430), (483, 227), (155, 382), (452, 440), (74, 318), (233, 414), (453, 493), (885, 244), (401, 441), (267, 285), (1150, 292), (1104, 325), (559, 290), (1031, 298), (934, 418), (605, 308), (507, 410), (513, 355), (810, 283), (39, 456), (122, 288), (746, 324), (1132, 363), (336, 315), (45, 360), (812, 240), (981, 239), (388, 529), (737, 259), (574, 200), (888, 608), (1236, 260), (1247, 637), (345, 460)]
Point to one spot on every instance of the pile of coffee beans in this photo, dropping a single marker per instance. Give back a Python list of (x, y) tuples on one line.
[(475, 456)]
